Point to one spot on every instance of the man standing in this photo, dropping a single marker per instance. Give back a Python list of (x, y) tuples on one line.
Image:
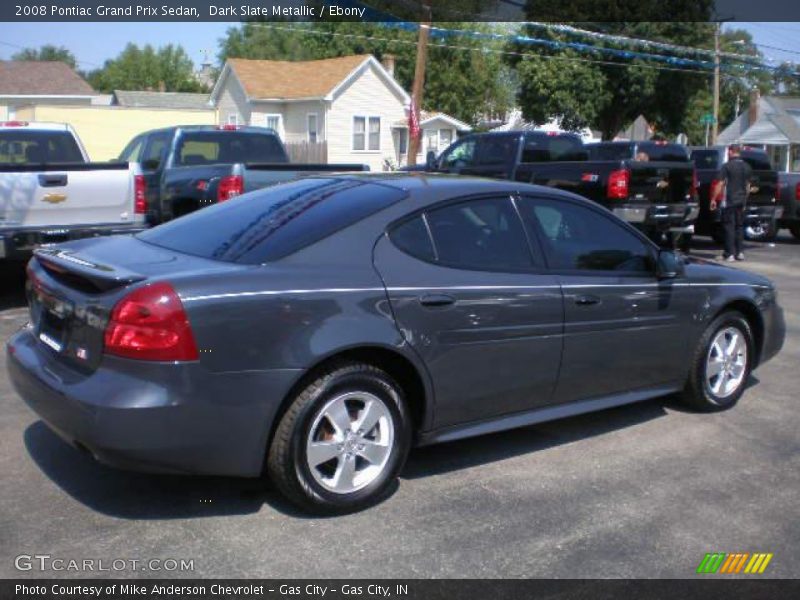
[(735, 175)]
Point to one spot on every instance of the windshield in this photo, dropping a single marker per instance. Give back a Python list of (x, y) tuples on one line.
[(706, 159), (24, 147), (269, 224), (210, 147)]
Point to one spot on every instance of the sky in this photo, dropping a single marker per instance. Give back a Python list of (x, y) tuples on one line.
[(93, 43)]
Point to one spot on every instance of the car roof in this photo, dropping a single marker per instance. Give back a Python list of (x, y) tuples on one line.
[(419, 185)]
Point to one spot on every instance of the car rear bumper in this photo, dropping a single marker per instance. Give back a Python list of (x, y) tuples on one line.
[(767, 212), (659, 216), (19, 243), (168, 418)]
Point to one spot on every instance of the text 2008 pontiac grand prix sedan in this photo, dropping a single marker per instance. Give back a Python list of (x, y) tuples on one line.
[(318, 329)]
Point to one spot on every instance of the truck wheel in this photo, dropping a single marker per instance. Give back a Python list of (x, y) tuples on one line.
[(343, 440), (721, 364), (762, 231), (795, 230)]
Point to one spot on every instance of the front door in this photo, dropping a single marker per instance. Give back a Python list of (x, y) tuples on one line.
[(473, 302), (623, 328)]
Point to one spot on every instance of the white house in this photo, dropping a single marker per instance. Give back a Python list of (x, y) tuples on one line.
[(350, 108), (29, 83)]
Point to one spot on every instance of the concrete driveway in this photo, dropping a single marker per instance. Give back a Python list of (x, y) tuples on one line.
[(639, 491)]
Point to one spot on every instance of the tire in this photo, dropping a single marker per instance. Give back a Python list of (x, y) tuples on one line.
[(762, 232), (354, 468), (706, 392), (795, 230)]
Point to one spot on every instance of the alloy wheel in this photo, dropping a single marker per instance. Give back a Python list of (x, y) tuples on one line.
[(726, 363)]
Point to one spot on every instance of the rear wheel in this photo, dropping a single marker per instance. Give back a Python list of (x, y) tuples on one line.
[(762, 231), (343, 440), (721, 364)]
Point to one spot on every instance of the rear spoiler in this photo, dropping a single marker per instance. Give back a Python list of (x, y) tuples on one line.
[(103, 277), (307, 167), (38, 167)]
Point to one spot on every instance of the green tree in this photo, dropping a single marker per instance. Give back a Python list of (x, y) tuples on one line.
[(464, 78), (147, 69), (48, 52), (587, 86)]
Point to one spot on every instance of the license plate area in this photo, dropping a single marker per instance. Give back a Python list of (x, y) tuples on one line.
[(52, 326)]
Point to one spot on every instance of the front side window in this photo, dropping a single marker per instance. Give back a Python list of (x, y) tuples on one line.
[(461, 155), (133, 150), (577, 238), (156, 149), (480, 234)]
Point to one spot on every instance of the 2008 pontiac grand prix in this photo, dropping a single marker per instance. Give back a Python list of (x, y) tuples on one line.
[(314, 331)]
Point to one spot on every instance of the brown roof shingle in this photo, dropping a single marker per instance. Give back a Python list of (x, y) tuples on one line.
[(284, 79), (41, 78)]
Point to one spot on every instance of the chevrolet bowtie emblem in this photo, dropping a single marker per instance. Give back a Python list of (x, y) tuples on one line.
[(662, 184), (54, 198)]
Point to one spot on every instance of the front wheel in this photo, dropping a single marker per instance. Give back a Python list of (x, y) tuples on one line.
[(342, 442), (721, 364)]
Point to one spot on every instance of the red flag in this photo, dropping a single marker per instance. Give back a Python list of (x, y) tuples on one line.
[(413, 120)]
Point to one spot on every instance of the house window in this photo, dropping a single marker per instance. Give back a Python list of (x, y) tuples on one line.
[(431, 140), (367, 133), (445, 137), (275, 122), (313, 134), (233, 119), (403, 141)]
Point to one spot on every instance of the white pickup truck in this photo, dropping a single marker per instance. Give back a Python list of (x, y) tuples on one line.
[(50, 192)]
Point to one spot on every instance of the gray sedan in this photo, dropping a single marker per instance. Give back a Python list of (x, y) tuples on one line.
[(316, 330)]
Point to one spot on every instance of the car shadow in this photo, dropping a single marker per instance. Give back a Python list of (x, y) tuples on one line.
[(461, 454)]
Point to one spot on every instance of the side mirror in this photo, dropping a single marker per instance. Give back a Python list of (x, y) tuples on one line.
[(430, 160), (669, 265)]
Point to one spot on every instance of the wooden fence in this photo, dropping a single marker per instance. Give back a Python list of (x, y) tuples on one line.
[(306, 152)]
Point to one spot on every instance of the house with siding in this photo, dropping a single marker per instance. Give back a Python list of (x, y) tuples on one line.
[(771, 122), (348, 109), (25, 83)]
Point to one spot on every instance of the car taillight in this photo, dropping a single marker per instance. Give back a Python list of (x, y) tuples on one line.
[(619, 184), (228, 127), (139, 199), (13, 123), (150, 324), (229, 187), (797, 192)]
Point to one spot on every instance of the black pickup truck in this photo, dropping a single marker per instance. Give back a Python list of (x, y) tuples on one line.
[(789, 197), (763, 210), (192, 166), (656, 196)]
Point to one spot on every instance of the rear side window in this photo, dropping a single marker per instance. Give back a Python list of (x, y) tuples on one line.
[(664, 152), (546, 148), (412, 238), (21, 147), (273, 223), (706, 159), (480, 234), (209, 147)]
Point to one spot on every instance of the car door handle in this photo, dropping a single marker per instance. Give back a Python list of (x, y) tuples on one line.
[(586, 300), (59, 180), (437, 300)]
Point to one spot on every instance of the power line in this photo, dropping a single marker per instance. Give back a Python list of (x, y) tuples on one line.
[(524, 55)]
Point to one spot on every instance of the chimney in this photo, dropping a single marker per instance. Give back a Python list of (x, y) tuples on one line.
[(752, 110), (388, 63)]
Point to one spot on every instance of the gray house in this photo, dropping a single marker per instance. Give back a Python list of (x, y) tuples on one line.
[(772, 122)]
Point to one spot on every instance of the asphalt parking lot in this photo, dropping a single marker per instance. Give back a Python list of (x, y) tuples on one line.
[(638, 491)]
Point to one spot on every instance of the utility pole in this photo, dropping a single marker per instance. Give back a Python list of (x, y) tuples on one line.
[(414, 143), (715, 124)]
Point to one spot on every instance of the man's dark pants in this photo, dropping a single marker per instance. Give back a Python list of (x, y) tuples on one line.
[(733, 227)]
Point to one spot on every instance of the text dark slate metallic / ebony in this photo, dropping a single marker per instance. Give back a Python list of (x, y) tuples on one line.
[(318, 329)]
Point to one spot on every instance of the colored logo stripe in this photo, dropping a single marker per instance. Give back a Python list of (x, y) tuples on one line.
[(723, 562)]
